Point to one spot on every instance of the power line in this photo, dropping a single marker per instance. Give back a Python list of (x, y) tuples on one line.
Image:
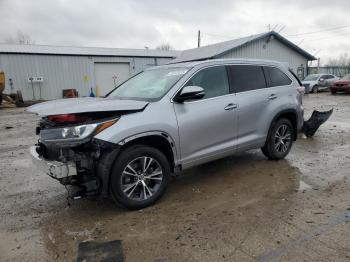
[(328, 37), (320, 31), (302, 41)]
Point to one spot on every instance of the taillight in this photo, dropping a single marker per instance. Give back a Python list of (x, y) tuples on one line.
[(301, 90)]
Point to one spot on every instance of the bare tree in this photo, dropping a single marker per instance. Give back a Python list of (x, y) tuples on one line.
[(164, 47), (20, 38), (342, 60)]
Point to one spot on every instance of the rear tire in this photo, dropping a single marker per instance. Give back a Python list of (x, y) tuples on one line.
[(279, 140), (139, 176)]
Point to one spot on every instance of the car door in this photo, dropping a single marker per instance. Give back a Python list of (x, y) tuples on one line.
[(248, 82), (330, 80), (323, 81), (207, 126)]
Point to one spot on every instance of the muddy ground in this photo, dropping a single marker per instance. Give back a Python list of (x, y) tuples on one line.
[(241, 208)]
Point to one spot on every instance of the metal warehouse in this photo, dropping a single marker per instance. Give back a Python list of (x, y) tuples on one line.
[(270, 45), (43, 72)]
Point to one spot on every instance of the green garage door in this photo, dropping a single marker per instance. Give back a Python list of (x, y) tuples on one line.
[(109, 75)]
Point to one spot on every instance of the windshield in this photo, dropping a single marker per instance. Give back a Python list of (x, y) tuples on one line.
[(346, 77), (149, 85), (311, 77)]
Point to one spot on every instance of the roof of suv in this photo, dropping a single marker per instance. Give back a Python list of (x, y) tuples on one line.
[(223, 61)]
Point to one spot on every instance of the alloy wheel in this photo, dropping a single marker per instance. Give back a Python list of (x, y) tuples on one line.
[(141, 178), (283, 138)]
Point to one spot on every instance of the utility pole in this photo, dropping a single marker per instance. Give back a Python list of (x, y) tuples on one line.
[(199, 38)]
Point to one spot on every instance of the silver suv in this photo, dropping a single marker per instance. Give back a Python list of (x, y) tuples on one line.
[(164, 120)]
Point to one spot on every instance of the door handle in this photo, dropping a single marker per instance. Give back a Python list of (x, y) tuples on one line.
[(231, 106), (272, 97)]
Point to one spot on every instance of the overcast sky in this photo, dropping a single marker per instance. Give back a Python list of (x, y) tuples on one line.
[(140, 23)]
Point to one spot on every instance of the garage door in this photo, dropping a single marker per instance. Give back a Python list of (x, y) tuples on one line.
[(109, 75)]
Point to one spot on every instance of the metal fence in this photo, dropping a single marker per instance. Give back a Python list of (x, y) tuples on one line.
[(334, 70)]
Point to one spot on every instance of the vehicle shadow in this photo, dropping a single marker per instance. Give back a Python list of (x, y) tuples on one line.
[(245, 172)]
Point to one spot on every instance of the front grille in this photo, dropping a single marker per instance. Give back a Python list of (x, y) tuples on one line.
[(342, 85), (306, 85)]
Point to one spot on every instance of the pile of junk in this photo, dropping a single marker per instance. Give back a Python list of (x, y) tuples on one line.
[(12, 98)]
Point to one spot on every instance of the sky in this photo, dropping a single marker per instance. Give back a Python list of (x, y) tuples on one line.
[(146, 23)]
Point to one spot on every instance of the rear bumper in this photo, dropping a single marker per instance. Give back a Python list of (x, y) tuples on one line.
[(54, 169)]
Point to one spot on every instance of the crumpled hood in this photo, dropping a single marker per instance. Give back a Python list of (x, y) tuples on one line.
[(85, 104)]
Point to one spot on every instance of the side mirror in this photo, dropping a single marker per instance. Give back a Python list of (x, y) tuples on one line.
[(189, 93), (321, 80)]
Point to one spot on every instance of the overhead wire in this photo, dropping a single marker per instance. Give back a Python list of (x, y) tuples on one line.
[(320, 31)]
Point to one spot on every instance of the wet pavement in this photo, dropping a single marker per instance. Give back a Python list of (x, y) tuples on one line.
[(241, 208)]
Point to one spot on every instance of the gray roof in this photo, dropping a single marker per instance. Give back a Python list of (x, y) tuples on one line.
[(215, 50), (84, 51)]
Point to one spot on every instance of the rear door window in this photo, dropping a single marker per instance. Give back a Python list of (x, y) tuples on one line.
[(246, 78), (275, 77)]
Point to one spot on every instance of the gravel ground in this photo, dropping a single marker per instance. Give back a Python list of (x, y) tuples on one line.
[(241, 208)]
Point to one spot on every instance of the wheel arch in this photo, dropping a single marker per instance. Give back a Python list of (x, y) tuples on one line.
[(157, 139), (291, 115)]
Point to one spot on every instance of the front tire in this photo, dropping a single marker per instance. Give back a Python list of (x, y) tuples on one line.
[(279, 140), (139, 176), (315, 89)]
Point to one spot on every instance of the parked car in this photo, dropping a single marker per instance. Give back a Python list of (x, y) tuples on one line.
[(164, 120), (342, 85), (318, 82)]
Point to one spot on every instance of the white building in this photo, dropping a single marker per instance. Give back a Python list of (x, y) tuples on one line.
[(270, 45)]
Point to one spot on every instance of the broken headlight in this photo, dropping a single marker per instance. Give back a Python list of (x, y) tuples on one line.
[(73, 133)]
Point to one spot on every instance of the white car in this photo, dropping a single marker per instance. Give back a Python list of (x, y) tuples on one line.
[(318, 82)]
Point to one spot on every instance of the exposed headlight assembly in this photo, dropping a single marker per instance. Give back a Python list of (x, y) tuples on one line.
[(73, 134)]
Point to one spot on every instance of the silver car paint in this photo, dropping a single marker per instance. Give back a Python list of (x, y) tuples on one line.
[(84, 104), (203, 130)]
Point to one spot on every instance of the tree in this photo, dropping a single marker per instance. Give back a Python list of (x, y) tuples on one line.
[(342, 60), (20, 38), (164, 47)]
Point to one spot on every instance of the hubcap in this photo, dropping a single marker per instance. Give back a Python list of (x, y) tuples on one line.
[(283, 138), (141, 178)]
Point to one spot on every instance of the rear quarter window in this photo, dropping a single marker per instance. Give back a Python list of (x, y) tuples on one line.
[(275, 77)]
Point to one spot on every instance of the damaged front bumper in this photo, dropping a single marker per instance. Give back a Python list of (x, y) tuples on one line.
[(55, 169), (85, 168)]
